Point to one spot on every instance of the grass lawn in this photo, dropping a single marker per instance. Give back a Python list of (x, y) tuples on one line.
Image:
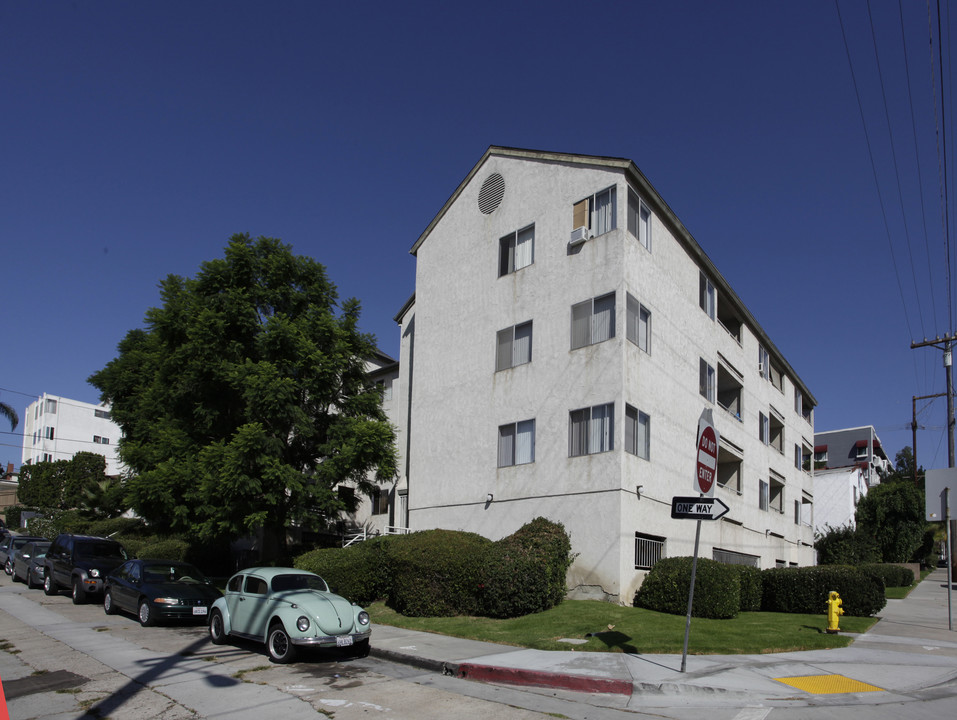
[(637, 630)]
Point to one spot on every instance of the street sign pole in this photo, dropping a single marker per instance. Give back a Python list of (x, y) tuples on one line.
[(694, 570)]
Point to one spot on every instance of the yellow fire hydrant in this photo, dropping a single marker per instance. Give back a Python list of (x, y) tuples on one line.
[(834, 612)]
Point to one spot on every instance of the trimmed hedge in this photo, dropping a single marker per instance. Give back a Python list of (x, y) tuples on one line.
[(752, 587), (445, 572), (805, 590), (359, 572), (890, 575), (437, 573), (526, 572), (717, 590)]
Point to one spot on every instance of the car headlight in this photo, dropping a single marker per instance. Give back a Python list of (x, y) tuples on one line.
[(94, 572), (302, 623), (167, 601), (363, 618)]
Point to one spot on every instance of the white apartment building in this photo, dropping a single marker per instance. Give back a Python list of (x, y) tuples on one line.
[(565, 334), (57, 428)]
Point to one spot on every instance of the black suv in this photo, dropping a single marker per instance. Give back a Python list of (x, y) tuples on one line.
[(81, 563)]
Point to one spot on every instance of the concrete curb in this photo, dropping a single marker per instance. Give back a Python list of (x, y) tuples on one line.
[(537, 678)]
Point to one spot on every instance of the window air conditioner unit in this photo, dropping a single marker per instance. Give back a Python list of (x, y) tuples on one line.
[(579, 235)]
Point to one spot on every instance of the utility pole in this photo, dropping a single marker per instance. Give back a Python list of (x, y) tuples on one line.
[(913, 424), (946, 344)]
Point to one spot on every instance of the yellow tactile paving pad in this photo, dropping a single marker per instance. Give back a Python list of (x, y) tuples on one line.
[(828, 684)]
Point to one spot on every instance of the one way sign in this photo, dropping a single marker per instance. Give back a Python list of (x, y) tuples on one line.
[(697, 508)]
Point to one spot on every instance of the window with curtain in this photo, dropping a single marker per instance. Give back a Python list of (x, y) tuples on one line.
[(638, 324), (513, 346), (591, 430), (639, 219), (516, 443), (593, 321), (637, 432), (598, 213), (516, 250)]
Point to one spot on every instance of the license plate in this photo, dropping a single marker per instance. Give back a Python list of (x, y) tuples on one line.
[(199, 611), (344, 641)]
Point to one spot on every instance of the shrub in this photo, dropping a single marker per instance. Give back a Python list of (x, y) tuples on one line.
[(845, 546), (805, 590), (717, 592), (752, 588), (526, 571), (437, 573), (158, 548), (890, 575), (360, 572)]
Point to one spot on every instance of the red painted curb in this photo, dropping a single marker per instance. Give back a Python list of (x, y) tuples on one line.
[(513, 676)]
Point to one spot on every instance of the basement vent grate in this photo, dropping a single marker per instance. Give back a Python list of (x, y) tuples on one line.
[(491, 194)]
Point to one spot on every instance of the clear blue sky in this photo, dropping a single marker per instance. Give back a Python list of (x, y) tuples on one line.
[(138, 136)]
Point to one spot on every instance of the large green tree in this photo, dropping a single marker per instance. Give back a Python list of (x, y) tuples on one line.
[(244, 400), (892, 513)]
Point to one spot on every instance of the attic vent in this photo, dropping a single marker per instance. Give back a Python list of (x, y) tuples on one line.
[(491, 194)]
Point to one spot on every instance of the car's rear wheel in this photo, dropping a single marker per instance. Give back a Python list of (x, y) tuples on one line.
[(146, 614), (280, 646), (217, 630), (49, 587), (108, 607)]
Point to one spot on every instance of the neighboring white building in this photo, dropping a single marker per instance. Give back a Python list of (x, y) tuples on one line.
[(383, 513), (565, 334), (857, 447), (836, 494), (57, 428)]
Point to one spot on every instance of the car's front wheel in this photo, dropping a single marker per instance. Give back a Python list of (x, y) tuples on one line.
[(8, 567), (79, 594), (217, 630), (147, 617), (49, 587), (108, 607), (30, 583), (280, 646)]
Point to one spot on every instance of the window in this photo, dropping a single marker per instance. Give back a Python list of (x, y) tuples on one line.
[(516, 250), (101, 440), (47, 457), (347, 496), (764, 431), (597, 212), (797, 512), (48, 432), (513, 346), (516, 443), (50, 407), (820, 454), (861, 447), (591, 430), (706, 295), (776, 494), (734, 558), (764, 363), (649, 549), (762, 495), (776, 431), (593, 321), (255, 586), (706, 380), (637, 432), (638, 324), (105, 414), (639, 219), (798, 457), (386, 386), (380, 502)]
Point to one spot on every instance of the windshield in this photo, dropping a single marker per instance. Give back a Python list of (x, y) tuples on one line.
[(299, 582), (103, 549), (172, 572)]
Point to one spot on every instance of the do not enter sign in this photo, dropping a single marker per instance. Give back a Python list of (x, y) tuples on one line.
[(706, 467)]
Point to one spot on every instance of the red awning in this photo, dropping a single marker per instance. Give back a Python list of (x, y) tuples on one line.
[(861, 443), (820, 448)]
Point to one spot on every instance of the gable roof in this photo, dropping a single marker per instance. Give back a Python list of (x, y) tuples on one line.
[(648, 193)]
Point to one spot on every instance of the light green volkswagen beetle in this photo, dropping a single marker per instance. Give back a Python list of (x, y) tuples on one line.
[(286, 609)]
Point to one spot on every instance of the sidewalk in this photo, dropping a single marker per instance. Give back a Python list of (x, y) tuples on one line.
[(908, 651)]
